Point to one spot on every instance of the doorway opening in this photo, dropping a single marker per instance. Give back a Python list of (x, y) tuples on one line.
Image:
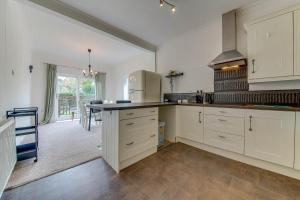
[(70, 92)]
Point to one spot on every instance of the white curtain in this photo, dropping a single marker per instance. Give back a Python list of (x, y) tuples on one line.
[(100, 80)]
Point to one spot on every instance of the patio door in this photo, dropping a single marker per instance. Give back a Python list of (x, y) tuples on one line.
[(69, 92)]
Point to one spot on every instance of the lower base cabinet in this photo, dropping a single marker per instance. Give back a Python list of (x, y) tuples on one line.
[(229, 142), (269, 136), (190, 123), (297, 142)]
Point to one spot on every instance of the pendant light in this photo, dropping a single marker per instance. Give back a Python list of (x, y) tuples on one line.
[(90, 73), (163, 2)]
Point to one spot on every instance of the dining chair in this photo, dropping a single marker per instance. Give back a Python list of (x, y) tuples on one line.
[(123, 101), (97, 113)]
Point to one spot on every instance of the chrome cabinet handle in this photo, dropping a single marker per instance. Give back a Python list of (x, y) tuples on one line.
[(153, 111), (152, 135), (129, 144), (250, 119), (221, 136), (130, 124), (222, 111), (222, 120), (200, 117), (129, 114), (152, 119), (253, 64)]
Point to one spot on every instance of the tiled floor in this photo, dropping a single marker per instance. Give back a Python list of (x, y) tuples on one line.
[(176, 172)]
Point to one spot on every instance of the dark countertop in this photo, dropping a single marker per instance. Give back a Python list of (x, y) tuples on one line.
[(109, 107), (125, 106)]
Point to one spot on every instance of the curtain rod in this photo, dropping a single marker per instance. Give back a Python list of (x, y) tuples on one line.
[(73, 67)]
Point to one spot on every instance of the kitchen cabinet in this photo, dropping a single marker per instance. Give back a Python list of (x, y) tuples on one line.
[(137, 135), (129, 135), (297, 43), (271, 48), (297, 142), (224, 128), (190, 123), (269, 136)]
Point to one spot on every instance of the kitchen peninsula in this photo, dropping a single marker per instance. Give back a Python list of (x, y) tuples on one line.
[(239, 132)]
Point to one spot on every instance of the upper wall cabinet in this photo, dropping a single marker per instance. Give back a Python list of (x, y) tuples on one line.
[(270, 48), (297, 42)]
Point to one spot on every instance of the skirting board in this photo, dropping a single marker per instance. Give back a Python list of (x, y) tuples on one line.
[(244, 159)]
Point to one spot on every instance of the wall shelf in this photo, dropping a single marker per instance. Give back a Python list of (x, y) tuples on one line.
[(172, 76)]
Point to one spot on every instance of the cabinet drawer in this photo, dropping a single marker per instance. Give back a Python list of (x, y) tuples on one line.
[(224, 141), (131, 148), (134, 113), (134, 128), (231, 112), (232, 125)]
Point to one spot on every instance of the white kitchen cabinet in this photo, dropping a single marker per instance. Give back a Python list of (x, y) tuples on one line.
[(129, 136), (224, 128), (137, 135), (271, 48), (297, 142), (297, 43), (190, 123), (269, 136)]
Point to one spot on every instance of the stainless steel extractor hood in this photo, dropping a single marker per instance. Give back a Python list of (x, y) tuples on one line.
[(230, 56)]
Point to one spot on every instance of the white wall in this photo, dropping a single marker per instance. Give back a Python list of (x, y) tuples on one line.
[(2, 56), (190, 53), (193, 50), (116, 79), (15, 88)]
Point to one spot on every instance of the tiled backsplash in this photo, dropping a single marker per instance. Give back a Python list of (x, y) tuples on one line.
[(231, 87), (231, 80), (278, 97), (174, 97)]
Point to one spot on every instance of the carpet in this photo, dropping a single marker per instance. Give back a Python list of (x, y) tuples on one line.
[(62, 145)]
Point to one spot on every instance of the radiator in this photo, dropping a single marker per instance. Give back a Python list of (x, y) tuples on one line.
[(7, 151)]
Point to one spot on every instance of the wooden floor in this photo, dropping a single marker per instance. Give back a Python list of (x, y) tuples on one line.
[(176, 172)]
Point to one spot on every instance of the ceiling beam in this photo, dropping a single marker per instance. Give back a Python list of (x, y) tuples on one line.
[(78, 15)]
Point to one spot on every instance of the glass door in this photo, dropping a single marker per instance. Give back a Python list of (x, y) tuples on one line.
[(87, 90), (70, 91), (66, 95)]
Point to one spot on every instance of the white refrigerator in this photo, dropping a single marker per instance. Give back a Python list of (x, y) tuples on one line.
[(144, 86)]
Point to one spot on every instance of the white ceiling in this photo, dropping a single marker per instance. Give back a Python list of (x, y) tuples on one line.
[(145, 19), (54, 36)]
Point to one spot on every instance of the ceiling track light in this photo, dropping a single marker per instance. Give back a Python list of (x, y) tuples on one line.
[(173, 7)]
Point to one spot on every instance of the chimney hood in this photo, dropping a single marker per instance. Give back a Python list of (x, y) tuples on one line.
[(229, 57)]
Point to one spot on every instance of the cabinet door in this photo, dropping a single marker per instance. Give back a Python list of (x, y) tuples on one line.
[(269, 136), (297, 42), (297, 142), (270, 48), (190, 123)]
